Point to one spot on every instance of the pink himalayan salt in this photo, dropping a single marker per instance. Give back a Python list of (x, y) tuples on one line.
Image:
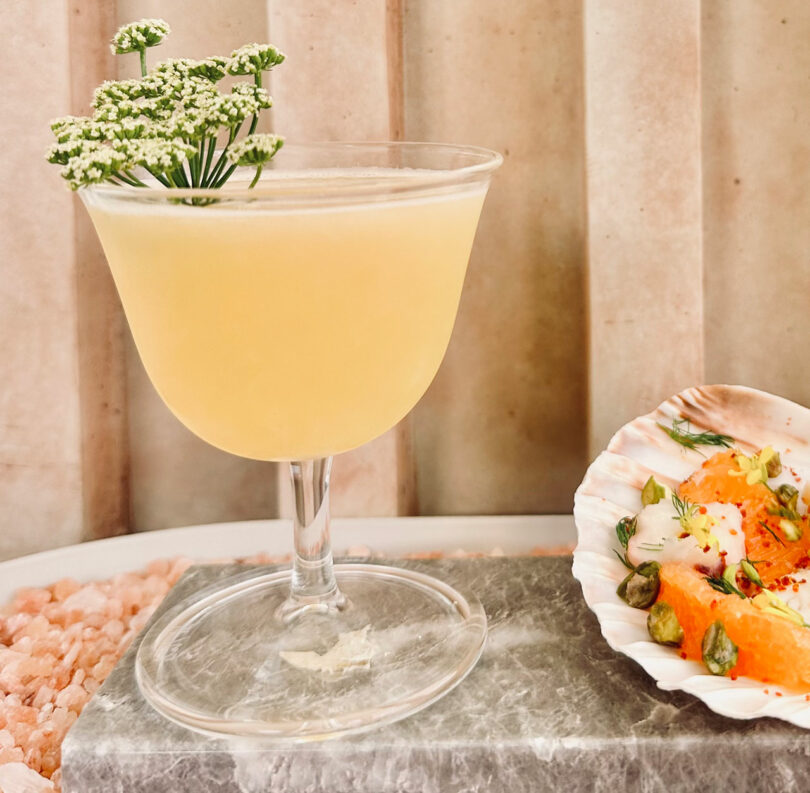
[(64, 588), (16, 777), (57, 646)]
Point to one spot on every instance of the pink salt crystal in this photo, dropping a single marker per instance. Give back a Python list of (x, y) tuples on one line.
[(15, 777), (78, 677), (115, 608), (72, 654), (10, 755), (64, 588), (30, 600), (6, 739), (36, 627), (91, 685), (103, 668), (73, 697), (158, 567), (55, 614), (114, 629), (62, 719), (89, 600), (16, 622), (33, 755)]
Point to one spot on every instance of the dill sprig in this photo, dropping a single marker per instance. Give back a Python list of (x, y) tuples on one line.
[(684, 508), (724, 586), (625, 529), (771, 532), (691, 440)]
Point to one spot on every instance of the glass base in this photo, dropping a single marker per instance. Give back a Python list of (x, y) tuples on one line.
[(226, 662)]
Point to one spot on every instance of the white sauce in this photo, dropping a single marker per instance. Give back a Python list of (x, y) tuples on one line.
[(658, 539)]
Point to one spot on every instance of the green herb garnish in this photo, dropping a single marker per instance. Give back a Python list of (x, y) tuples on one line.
[(748, 566), (625, 529), (724, 585), (170, 122), (771, 532), (691, 440), (651, 546)]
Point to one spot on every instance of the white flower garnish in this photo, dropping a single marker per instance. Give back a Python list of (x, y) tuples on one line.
[(137, 36)]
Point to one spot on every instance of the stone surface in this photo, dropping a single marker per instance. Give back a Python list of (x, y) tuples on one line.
[(549, 706)]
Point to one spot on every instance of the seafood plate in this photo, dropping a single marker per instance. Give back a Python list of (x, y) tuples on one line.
[(694, 548)]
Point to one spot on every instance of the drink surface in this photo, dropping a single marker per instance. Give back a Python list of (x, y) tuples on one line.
[(285, 334)]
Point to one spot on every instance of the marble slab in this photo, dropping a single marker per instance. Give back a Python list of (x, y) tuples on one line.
[(549, 706)]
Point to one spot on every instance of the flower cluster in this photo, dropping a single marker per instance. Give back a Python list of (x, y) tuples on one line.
[(137, 36), (170, 121), (254, 59), (255, 149)]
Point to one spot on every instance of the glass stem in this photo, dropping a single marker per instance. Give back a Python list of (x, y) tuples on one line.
[(313, 588)]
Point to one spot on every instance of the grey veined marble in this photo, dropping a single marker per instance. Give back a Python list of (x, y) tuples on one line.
[(549, 707)]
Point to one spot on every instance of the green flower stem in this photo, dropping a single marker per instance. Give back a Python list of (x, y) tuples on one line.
[(162, 179), (137, 182), (258, 79), (125, 179), (256, 177), (212, 144), (200, 159), (222, 157), (142, 53), (180, 178), (224, 178)]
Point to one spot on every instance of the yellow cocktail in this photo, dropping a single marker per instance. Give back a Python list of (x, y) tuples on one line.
[(291, 333), (290, 322)]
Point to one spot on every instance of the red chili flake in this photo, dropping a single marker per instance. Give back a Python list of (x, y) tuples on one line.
[(766, 544), (707, 549), (785, 580), (795, 587), (683, 535), (722, 553), (713, 605), (778, 693), (738, 504), (768, 564), (702, 510), (683, 655), (807, 697), (743, 512), (766, 691), (732, 531), (733, 675)]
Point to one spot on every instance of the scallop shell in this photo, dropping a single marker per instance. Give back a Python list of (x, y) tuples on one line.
[(611, 489)]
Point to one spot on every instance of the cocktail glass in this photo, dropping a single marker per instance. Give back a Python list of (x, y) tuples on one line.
[(291, 322)]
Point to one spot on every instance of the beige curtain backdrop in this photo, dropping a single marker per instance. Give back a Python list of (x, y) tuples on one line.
[(648, 231)]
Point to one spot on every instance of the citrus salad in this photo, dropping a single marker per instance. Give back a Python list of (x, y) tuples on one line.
[(722, 561)]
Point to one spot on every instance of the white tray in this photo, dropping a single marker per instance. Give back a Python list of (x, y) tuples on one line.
[(388, 536)]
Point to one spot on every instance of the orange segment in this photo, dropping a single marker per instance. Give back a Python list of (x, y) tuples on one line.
[(712, 482), (771, 649)]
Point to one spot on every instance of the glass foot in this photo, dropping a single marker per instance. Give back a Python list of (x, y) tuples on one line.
[(225, 662)]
